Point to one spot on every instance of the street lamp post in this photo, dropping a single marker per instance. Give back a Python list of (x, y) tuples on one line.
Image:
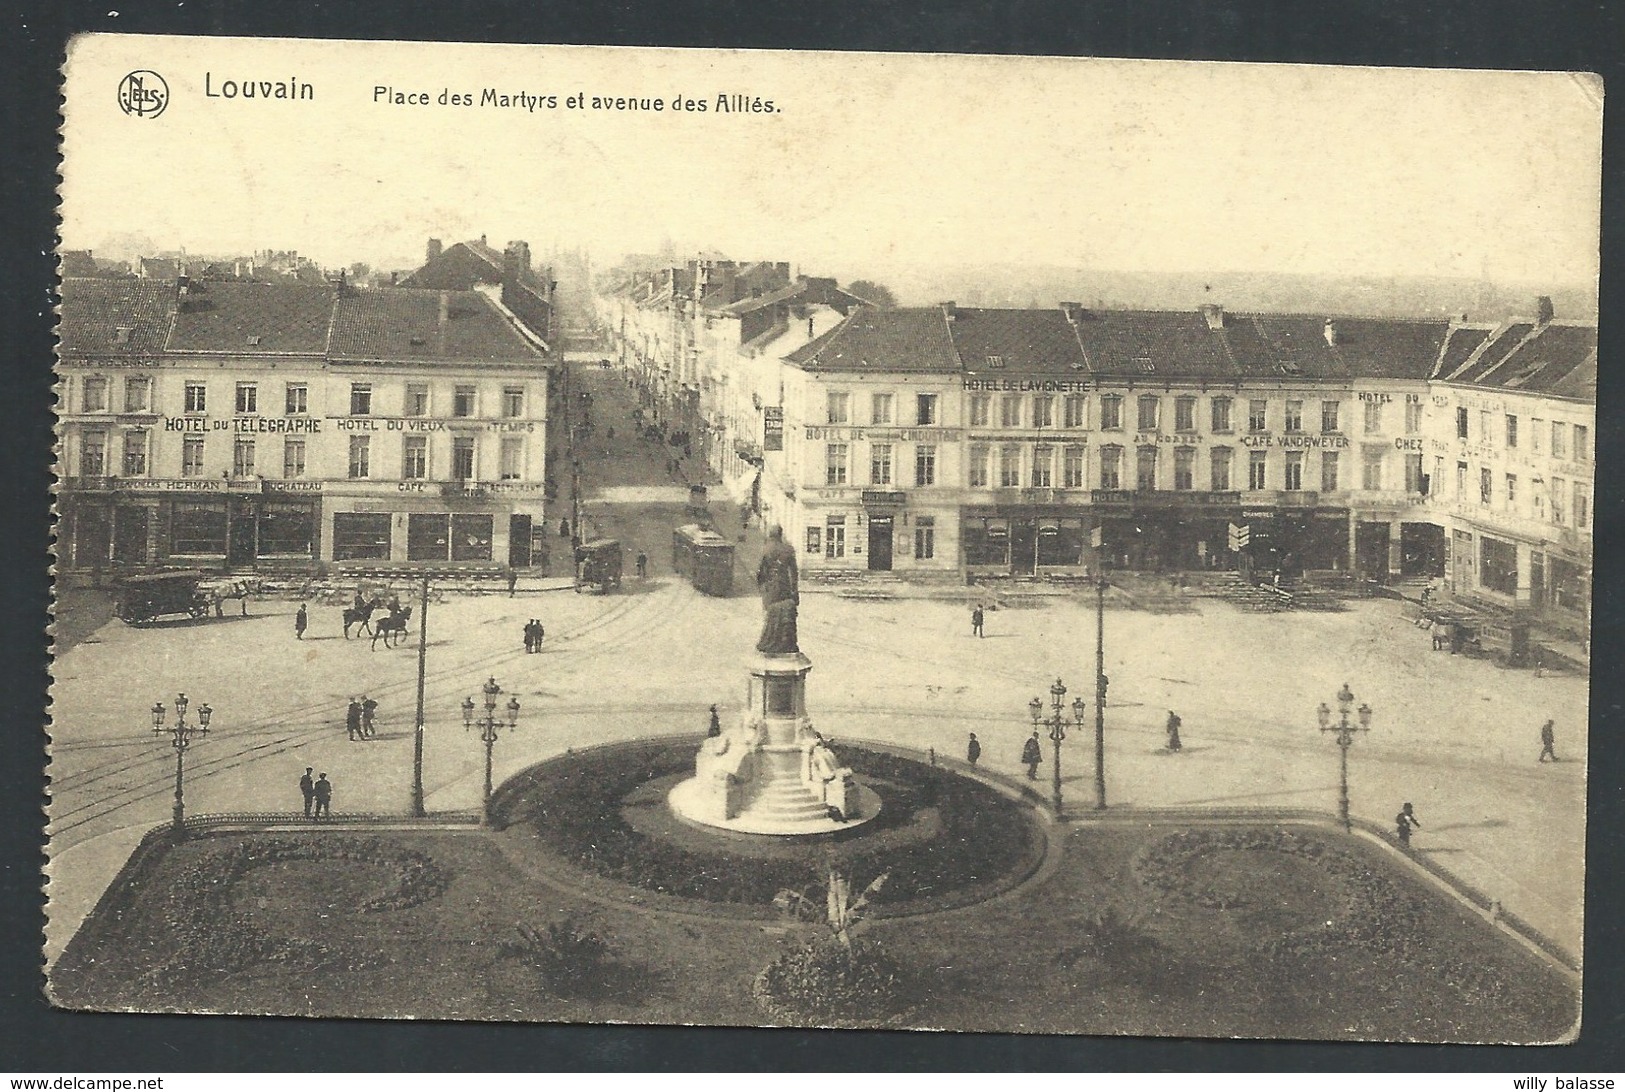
[(1057, 724), (417, 734), (489, 725), (1100, 694), (1345, 739), (180, 737)]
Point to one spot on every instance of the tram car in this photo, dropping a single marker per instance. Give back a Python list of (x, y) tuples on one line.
[(144, 598), (703, 558), (598, 564)]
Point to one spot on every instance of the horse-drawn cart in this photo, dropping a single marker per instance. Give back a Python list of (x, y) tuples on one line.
[(141, 599)]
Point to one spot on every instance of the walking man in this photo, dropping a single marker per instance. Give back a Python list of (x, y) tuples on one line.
[(715, 728), (369, 710), (973, 750), (1031, 755), (564, 528), (300, 621), (976, 618), (323, 792), (1173, 731), (1403, 822), (1548, 739), (643, 565), (307, 788), (513, 581), (352, 720), (530, 635), (537, 633)]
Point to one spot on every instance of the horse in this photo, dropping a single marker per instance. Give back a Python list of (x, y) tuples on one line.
[(392, 624), (363, 615)]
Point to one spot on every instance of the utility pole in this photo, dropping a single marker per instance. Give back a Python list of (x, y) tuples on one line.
[(417, 737), (1100, 694)]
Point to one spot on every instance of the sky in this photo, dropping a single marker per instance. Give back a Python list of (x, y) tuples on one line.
[(865, 159)]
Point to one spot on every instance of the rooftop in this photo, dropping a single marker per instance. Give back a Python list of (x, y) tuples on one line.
[(421, 325), (102, 316)]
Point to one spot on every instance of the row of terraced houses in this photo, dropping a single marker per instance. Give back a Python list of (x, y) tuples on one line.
[(1068, 440)]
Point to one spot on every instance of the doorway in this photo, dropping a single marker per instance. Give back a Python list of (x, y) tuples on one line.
[(1023, 546), (880, 543), (240, 538), (130, 534), (519, 542)]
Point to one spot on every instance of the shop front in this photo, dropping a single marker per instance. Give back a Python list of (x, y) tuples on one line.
[(1166, 531), (479, 525), (1024, 540)]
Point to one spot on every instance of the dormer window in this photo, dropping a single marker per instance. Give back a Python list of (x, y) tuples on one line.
[(995, 362), (253, 339), (1143, 362), (121, 334), (416, 340)]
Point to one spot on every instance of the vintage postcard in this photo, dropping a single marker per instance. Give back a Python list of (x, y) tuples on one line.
[(853, 540)]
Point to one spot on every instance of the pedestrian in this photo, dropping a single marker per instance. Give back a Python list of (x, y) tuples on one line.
[(530, 636), (307, 789), (643, 565), (1548, 739), (513, 581), (300, 621), (369, 710), (323, 792), (1031, 755), (609, 433), (715, 728), (973, 750), (540, 632), (564, 528), (352, 720), (1173, 732), (1403, 822), (976, 619)]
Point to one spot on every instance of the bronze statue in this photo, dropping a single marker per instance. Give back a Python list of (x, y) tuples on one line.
[(777, 579)]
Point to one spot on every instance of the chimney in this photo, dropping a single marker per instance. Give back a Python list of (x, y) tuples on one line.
[(1072, 311), (394, 278), (445, 308), (949, 310), (1329, 332), (1543, 310), (809, 327), (183, 284), (1214, 314), (435, 247), (482, 239)]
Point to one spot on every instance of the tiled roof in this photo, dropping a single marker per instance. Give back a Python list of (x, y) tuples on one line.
[(1580, 383), (907, 339), (94, 308), (159, 269), (1495, 349), (1541, 361), (244, 317), (405, 324), (1460, 344), (1368, 348), (1151, 344), (1023, 342)]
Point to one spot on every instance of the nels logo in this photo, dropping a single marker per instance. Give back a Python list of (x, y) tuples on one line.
[(143, 94)]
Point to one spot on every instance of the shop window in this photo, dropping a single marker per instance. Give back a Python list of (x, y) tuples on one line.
[(836, 403), (1293, 479), (1111, 467), (415, 457), (1009, 466), (287, 529), (1111, 412), (985, 542), (93, 454), (978, 466), (513, 401), (1219, 469), (471, 537), (1329, 413), (248, 398), (1220, 415), (815, 540), (462, 458), (360, 399), (192, 457), (93, 395), (1294, 416), (428, 536), (293, 458), (880, 409), (834, 464), (137, 394), (1329, 472), (925, 409), (1498, 566), (417, 400), (925, 464), (1257, 469), (512, 459), (297, 398), (1043, 467), (981, 408), (135, 454), (1185, 414), (1149, 412), (197, 527), (360, 456), (1075, 467), (361, 536), (1077, 411), (242, 458), (196, 398), (879, 464), (1010, 411)]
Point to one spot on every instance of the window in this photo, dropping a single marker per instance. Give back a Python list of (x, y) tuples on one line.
[(293, 458), (471, 537), (286, 529), (1560, 440), (879, 464), (1461, 422), (1484, 487), (417, 400), (1043, 467), (835, 537), (880, 409), (428, 536), (1413, 474), (248, 398), (415, 457), (834, 464), (242, 458), (360, 456), (1461, 481), (1294, 417), (1328, 416), (1483, 426), (925, 465), (1010, 411), (1111, 467), (925, 409), (995, 362), (1010, 466), (135, 453), (93, 398), (1111, 411), (1074, 468), (1184, 467), (359, 536), (1371, 468), (137, 394), (836, 407), (1294, 470), (1148, 416), (1413, 417), (1512, 431), (1219, 469), (1221, 414), (1145, 468), (1436, 483), (93, 454), (978, 466), (360, 399), (925, 538), (1077, 411), (197, 398), (1536, 427), (1582, 506), (1582, 444), (297, 398), (1512, 491), (815, 540), (1328, 472), (1257, 415), (1185, 414), (199, 527), (464, 400), (513, 401), (191, 456), (1043, 411), (1558, 487), (462, 458), (511, 459), (1373, 418), (1257, 468), (980, 409)]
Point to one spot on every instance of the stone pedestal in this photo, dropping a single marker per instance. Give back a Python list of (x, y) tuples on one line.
[(770, 772)]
